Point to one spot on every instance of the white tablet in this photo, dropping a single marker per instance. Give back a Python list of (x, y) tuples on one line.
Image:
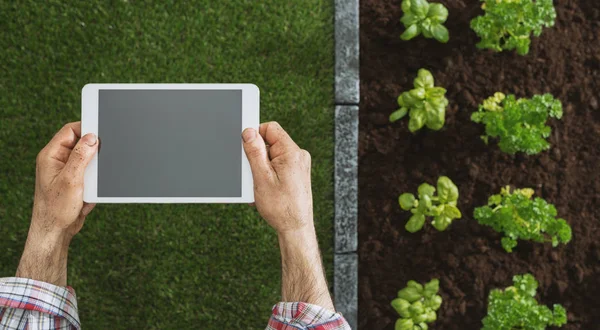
[(169, 143)]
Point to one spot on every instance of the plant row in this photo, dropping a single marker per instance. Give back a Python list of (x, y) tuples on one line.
[(519, 125)]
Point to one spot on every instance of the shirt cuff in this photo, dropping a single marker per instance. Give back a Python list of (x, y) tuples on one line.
[(28, 294), (301, 315)]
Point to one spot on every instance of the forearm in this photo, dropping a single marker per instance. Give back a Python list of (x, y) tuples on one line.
[(45, 257), (303, 278)]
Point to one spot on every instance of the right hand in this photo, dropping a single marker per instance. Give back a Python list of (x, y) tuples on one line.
[(281, 173)]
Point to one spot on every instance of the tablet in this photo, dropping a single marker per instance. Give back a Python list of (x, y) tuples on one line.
[(169, 143)]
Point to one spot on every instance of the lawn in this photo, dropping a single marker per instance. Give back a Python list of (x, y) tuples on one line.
[(165, 266)]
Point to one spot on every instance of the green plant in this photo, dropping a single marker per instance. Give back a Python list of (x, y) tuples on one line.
[(422, 17), (417, 305), (520, 217), (441, 207), (516, 308), (520, 125), (425, 104), (508, 24)]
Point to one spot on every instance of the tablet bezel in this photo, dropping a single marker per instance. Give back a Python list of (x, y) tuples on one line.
[(89, 124)]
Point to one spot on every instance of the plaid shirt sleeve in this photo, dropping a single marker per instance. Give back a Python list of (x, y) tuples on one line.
[(35, 305), (299, 315)]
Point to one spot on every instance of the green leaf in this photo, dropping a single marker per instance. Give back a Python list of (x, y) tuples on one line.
[(431, 288), (452, 212), (411, 32), (401, 306), (406, 201), (405, 6), (418, 93), (441, 222), (425, 26), (495, 200), (419, 7), (559, 317), (440, 33), (416, 285), (437, 13), (430, 316), (424, 80), (435, 116), (398, 114), (409, 100), (417, 120), (416, 308), (447, 190), (409, 294), (404, 324), (426, 189), (436, 302), (409, 19), (436, 94), (425, 204), (415, 223)]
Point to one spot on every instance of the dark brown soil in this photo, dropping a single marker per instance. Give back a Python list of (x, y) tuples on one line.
[(468, 257)]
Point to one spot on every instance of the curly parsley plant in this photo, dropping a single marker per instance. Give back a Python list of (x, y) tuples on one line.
[(417, 305), (519, 124), (441, 207), (519, 217), (422, 17), (425, 104), (508, 24), (516, 308)]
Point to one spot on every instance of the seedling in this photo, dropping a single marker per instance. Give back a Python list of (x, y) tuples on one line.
[(417, 305), (423, 17), (441, 207), (519, 217), (520, 125), (425, 104), (516, 308), (508, 24)]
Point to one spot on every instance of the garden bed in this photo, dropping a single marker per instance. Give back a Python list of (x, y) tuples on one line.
[(468, 258)]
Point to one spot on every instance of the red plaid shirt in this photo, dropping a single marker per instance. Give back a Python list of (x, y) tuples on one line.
[(35, 305)]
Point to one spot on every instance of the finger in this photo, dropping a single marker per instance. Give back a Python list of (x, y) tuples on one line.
[(277, 138), (65, 139), (256, 151), (80, 157), (87, 208)]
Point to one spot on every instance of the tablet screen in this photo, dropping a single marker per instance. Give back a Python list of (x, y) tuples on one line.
[(170, 143)]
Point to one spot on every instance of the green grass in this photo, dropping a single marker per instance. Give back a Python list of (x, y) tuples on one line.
[(164, 266)]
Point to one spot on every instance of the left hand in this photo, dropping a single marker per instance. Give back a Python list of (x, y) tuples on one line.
[(58, 207)]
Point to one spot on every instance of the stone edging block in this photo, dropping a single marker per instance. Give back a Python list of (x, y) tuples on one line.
[(347, 90)]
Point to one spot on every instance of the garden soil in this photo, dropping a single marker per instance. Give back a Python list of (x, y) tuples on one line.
[(468, 258)]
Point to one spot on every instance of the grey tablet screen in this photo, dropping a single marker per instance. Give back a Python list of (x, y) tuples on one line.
[(170, 143)]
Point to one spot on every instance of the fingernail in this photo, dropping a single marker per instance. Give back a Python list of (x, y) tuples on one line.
[(248, 135), (90, 139)]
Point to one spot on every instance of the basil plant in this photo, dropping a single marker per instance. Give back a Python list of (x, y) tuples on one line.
[(422, 17), (425, 104), (441, 207)]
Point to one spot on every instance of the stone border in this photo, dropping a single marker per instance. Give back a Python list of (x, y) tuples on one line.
[(347, 97)]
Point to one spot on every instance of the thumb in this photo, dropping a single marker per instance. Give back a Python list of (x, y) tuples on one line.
[(81, 155), (256, 151)]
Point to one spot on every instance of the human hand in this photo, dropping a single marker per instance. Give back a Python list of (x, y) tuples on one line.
[(281, 172), (58, 206)]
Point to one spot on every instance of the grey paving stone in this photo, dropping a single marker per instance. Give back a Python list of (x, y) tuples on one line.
[(345, 286), (347, 90), (345, 178)]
